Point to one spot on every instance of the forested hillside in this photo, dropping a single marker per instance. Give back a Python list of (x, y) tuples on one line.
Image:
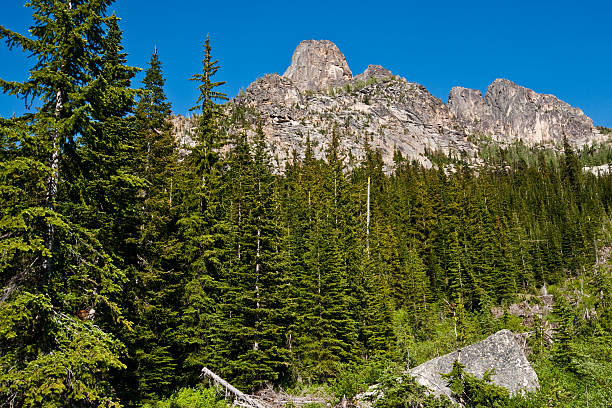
[(125, 267)]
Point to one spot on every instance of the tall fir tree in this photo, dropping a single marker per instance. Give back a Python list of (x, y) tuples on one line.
[(202, 232), (154, 284), (80, 83)]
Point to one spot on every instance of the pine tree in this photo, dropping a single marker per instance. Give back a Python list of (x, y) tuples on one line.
[(154, 284), (156, 146), (256, 308), (417, 291), (154, 110), (80, 82), (571, 169), (563, 353), (205, 155), (101, 185), (202, 231)]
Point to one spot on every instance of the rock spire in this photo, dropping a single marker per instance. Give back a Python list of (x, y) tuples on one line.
[(317, 65)]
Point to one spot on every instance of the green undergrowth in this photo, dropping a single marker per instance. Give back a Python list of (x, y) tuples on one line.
[(196, 397), (575, 370)]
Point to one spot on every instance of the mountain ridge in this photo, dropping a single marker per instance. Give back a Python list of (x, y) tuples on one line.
[(318, 93)]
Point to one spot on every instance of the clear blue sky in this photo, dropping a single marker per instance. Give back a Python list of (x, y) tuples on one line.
[(559, 47)]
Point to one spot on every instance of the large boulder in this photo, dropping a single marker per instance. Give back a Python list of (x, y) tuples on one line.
[(499, 352)]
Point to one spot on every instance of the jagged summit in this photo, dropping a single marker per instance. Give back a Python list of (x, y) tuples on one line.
[(318, 93), (317, 65), (373, 71), (510, 112)]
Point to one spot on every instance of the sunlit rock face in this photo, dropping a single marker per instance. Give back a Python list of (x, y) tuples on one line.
[(318, 95), (317, 65), (499, 353), (511, 112)]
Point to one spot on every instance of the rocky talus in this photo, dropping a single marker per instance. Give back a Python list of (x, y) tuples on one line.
[(318, 94)]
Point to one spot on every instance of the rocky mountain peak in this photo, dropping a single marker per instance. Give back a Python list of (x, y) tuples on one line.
[(511, 112), (317, 65), (373, 71), (318, 93)]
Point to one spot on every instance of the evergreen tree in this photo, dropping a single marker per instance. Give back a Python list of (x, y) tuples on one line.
[(417, 291), (153, 282), (80, 82), (202, 232), (563, 352), (254, 274)]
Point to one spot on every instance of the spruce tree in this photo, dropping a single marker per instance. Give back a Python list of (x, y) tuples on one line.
[(253, 269), (154, 283), (79, 81), (416, 291), (202, 232)]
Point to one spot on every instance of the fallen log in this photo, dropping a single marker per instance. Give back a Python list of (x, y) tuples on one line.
[(240, 398)]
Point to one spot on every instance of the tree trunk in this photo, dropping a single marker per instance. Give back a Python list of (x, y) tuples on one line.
[(52, 183)]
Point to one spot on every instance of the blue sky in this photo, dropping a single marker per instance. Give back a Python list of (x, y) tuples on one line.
[(559, 47)]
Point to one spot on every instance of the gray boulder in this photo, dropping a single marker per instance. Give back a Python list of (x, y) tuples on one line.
[(499, 352)]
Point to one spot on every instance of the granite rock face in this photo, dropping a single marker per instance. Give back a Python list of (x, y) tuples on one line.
[(317, 65), (373, 71), (511, 112), (499, 352), (318, 94), (389, 113)]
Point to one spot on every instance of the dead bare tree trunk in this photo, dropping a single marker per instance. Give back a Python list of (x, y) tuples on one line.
[(241, 398), (368, 221)]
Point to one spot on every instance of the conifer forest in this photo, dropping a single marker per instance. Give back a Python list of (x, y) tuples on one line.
[(129, 262)]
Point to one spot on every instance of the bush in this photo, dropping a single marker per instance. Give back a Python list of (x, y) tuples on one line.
[(356, 378), (198, 397), (474, 392), (404, 392)]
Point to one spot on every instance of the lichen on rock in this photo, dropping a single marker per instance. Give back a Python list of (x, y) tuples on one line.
[(499, 352)]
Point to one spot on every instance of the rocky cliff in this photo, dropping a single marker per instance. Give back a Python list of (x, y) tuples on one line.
[(318, 94), (511, 112), (317, 65), (387, 112)]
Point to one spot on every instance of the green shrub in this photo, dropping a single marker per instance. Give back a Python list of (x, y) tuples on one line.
[(404, 392), (604, 130), (474, 392), (355, 378), (198, 397)]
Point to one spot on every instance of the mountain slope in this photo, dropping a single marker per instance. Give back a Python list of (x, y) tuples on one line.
[(318, 93)]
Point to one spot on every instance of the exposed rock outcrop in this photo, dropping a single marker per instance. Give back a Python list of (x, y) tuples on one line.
[(317, 94), (317, 65), (499, 352), (511, 112), (390, 113), (373, 71)]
